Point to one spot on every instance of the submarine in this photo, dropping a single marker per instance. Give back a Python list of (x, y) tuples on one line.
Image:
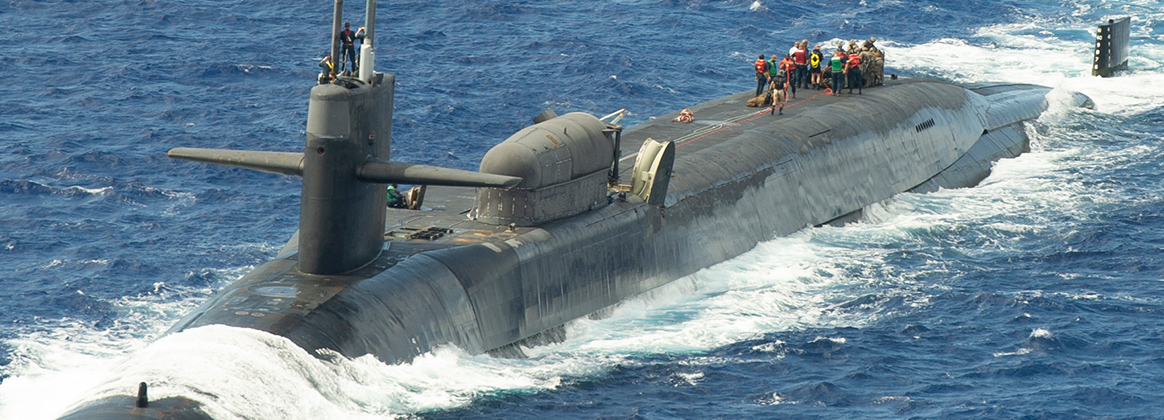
[(569, 216)]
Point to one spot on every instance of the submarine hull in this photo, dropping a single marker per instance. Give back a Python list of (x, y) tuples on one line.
[(740, 176)]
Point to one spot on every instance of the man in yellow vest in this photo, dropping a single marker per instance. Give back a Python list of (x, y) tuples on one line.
[(327, 70)]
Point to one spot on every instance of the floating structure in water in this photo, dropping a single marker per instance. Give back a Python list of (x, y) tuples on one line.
[(559, 222), (1111, 47)]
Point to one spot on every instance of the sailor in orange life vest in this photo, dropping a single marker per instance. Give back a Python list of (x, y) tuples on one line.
[(761, 75), (789, 67), (685, 116), (853, 69)]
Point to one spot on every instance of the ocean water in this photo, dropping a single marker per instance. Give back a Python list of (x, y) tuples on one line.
[(1038, 294)]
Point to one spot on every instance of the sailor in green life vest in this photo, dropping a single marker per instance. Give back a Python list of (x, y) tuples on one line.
[(837, 64), (395, 200), (773, 68)]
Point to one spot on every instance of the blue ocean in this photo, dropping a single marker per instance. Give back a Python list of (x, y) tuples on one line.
[(1036, 295)]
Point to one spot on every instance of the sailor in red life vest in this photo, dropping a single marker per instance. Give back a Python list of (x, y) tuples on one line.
[(761, 75), (801, 59), (789, 68), (853, 69)]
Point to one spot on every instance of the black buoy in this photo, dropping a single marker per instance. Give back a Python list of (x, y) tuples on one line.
[(142, 399)]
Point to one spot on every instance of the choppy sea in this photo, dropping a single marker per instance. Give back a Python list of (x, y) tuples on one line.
[(1038, 294)]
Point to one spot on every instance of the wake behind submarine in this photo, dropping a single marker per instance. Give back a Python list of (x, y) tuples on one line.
[(560, 222)]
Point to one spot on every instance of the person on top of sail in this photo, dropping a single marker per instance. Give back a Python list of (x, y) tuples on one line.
[(327, 70), (348, 40)]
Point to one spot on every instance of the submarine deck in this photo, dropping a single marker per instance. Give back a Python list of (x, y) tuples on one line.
[(716, 121)]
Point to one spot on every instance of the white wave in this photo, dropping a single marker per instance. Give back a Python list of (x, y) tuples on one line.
[(688, 379), (57, 367), (783, 284), (1030, 52), (90, 191), (58, 361), (243, 373), (1041, 333), (1018, 352)]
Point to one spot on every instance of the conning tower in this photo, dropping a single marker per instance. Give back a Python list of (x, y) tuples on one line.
[(345, 166)]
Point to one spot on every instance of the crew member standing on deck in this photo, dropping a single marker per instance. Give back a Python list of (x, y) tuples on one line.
[(773, 68), (789, 68), (866, 57), (814, 62), (801, 59), (761, 74), (877, 67), (853, 69), (841, 51), (837, 65), (777, 91)]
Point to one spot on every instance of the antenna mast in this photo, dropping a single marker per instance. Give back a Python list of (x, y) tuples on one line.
[(338, 16), (367, 52)]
